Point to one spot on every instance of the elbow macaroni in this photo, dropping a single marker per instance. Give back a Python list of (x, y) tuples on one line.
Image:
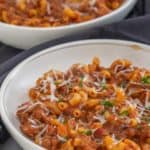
[(89, 107), (53, 13)]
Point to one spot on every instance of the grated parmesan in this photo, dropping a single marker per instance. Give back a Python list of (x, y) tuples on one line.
[(62, 139), (100, 118), (92, 2), (42, 131), (53, 89), (32, 106)]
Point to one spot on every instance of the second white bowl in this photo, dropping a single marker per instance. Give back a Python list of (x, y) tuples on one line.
[(27, 37)]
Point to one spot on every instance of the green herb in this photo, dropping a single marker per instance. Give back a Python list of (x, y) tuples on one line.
[(146, 118), (146, 80), (81, 81), (57, 82), (65, 138), (147, 108), (139, 126), (60, 100), (124, 113), (87, 132), (104, 87), (70, 86), (107, 103), (64, 121), (123, 85)]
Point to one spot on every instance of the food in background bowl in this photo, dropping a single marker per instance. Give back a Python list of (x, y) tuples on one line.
[(90, 107), (25, 37), (45, 13)]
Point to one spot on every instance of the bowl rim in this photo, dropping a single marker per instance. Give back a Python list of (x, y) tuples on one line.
[(122, 8), (13, 131)]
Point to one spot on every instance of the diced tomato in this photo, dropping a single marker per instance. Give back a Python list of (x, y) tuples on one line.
[(100, 132)]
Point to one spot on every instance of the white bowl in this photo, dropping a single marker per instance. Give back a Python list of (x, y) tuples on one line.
[(27, 37), (15, 87)]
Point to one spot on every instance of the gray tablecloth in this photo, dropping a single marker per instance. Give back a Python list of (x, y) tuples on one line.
[(10, 145)]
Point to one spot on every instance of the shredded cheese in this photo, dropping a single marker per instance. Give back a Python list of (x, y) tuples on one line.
[(25, 106), (60, 138), (100, 118), (53, 89), (92, 2), (32, 106), (65, 82), (42, 131)]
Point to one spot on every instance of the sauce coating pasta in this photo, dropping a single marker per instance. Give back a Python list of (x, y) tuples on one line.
[(46, 13), (90, 107)]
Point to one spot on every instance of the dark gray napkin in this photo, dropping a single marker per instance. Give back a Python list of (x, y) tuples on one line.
[(134, 29)]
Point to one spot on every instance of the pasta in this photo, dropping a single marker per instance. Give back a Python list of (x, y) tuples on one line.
[(52, 13), (90, 107)]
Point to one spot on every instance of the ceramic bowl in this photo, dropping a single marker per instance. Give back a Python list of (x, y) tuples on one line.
[(16, 85), (27, 37)]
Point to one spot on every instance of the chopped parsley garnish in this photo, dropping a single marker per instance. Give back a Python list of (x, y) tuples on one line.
[(139, 126), (146, 79), (57, 82), (124, 113), (70, 86), (123, 85), (81, 81), (60, 100), (64, 121), (147, 108), (87, 132), (104, 87), (107, 103), (146, 118), (65, 138)]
